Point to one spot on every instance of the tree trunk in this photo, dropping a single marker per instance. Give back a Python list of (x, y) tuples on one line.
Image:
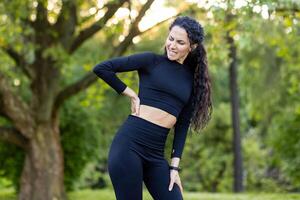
[(234, 98), (36, 129), (43, 172)]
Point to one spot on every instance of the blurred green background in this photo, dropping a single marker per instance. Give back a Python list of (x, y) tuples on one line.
[(57, 119)]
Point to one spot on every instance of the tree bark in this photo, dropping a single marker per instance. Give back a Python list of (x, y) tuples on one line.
[(234, 99), (43, 171), (36, 123)]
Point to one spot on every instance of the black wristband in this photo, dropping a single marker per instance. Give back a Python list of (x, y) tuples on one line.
[(175, 168)]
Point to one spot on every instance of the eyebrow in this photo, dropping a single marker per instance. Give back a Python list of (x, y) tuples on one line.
[(177, 40)]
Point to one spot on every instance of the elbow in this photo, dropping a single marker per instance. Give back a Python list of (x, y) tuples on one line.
[(95, 69), (98, 70), (102, 68)]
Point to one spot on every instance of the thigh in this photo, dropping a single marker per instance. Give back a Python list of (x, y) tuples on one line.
[(125, 169), (157, 180)]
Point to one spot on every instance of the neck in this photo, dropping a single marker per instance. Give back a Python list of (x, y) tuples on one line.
[(181, 60)]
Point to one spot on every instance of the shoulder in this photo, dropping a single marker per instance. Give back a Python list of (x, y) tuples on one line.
[(157, 58), (146, 56), (149, 57)]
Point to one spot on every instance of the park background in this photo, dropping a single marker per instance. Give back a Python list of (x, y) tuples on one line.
[(57, 119)]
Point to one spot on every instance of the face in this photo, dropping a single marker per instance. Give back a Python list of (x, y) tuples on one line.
[(177, 44)]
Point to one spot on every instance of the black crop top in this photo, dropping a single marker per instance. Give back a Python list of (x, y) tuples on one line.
[(163, 84)]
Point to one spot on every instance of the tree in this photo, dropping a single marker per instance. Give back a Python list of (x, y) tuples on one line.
[(234, 99), (48, 36)]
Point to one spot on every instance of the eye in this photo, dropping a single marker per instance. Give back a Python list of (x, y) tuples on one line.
[(181, 42), (171, 38)]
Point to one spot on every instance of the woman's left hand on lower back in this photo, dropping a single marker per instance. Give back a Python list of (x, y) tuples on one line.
[(174, 178)]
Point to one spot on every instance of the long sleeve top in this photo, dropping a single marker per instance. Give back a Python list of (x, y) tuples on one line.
[(163, 83)]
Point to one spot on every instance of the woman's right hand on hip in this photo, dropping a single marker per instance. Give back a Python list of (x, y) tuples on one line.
[(135, 105), (135, 100)]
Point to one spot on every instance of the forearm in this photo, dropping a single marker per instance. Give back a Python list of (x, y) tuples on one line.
[(129, 92)]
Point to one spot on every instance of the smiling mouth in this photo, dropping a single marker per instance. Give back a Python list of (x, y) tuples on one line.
[(172, 52)]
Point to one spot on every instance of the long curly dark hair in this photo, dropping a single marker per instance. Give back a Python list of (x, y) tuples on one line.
[(197, 59)]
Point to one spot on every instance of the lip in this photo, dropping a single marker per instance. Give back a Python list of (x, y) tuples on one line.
[(173, 52)]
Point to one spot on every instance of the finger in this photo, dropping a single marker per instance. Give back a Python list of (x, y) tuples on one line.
[(134, 107), (171, 184), (132, 111), (137, 109), (180, 186)]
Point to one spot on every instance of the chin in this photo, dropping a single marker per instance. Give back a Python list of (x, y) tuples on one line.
[(172, 57)]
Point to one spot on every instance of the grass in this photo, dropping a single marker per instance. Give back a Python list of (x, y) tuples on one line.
[(109, 195)]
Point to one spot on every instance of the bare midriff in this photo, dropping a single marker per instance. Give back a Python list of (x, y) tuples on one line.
[(157, 116)]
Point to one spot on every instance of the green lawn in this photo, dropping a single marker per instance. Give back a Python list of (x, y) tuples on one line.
[(108, 195)]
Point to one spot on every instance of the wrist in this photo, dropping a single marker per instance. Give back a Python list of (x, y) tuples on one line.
[(129, 92), (175, 161), (174, 168)]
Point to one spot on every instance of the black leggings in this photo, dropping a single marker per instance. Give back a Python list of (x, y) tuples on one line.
[(136, 155)]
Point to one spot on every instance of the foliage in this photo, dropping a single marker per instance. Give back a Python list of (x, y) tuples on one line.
[(11, 165), (269, 79), (80, 139)]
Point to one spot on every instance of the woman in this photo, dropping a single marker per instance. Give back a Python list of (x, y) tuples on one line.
[(174, 90)]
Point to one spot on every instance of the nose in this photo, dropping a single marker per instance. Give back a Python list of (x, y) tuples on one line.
[(172, 45)]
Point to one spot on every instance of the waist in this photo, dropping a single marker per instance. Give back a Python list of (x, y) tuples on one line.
[(157, 116), (145, 132)]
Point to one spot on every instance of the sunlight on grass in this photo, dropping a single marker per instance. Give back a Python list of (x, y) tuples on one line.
[(108, 194)]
